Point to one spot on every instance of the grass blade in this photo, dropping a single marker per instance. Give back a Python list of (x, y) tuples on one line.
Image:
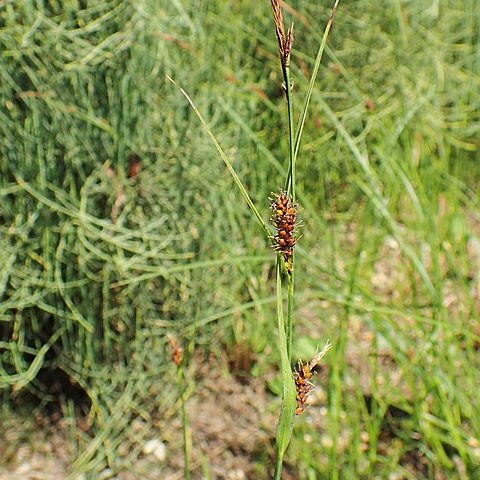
[(227, 162)]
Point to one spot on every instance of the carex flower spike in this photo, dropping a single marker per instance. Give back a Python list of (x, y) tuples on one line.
[(285, 220), (285, 40), (302, 376)]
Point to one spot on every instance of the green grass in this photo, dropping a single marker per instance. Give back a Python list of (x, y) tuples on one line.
[(388, 264)]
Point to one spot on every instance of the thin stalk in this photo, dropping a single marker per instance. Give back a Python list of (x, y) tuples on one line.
[(186, 443), (281, 345), (291, 178), (290, 187), (287, 413), (313, 78), (289, 325)]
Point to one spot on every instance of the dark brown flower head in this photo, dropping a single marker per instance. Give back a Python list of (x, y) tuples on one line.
[(285, 220), (302, 375), (285, 41)]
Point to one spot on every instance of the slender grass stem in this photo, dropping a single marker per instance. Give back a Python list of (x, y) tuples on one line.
[(289, 325), (186, 442), (287, 413), (227, 162), (290, 187), (313, 78), (291, 180)]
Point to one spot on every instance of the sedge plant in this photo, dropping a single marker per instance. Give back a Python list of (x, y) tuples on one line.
[(296, 383)]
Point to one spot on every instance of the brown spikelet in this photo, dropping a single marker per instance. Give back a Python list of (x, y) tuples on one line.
[(279, 25), (285, 219), (177, 351), (302, 375), (288, 44), (285, 41)]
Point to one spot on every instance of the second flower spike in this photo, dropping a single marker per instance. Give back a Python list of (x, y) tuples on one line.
[(285, 220)]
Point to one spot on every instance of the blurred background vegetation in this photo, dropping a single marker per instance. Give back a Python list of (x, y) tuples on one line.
[(119, 226)]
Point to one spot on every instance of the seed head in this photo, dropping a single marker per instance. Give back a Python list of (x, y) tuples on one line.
[(285, 41), (288, 44), (285, 220), (302, 375)]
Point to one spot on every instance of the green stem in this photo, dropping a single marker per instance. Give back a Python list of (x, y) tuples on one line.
[(303, 116), (290, 183), (289, 325), (290, 187), (278, 468), (186, 450), (287, 412)]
